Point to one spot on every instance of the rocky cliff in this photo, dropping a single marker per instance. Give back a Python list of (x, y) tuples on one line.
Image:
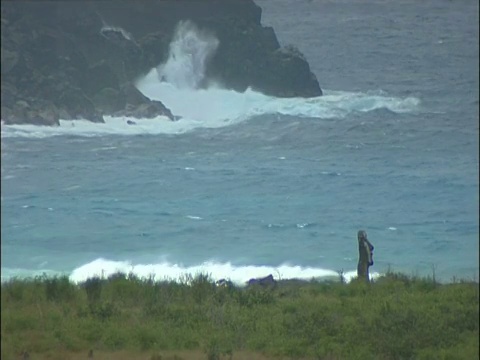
[(80, 59)]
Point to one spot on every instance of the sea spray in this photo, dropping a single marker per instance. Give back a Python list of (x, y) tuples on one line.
[(175, 272), (216, 108), (180, 84), (189, 52)]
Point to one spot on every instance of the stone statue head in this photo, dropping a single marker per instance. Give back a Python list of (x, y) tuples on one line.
[(366, 246), (362, 235)]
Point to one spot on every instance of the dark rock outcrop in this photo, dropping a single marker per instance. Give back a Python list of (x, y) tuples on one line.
[(224, 283), (266, 281), (138, 105), (79, 59)]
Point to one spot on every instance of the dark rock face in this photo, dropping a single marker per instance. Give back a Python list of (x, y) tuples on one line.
[(266, 281), (139, 106), (79, 59), (224, 283)]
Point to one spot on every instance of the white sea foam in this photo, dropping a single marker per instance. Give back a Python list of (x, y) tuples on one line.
[(190, 50), (165, 270), (237, 274), (176, 83), (214, 108)]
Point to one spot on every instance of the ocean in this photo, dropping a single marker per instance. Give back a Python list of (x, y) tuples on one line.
[(246, 185)]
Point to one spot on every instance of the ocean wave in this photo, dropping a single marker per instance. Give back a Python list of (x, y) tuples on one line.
[(239, 275), (177, 83), (216, 108)]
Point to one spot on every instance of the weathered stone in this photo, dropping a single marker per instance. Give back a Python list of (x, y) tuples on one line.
[(8, 94), (78, 105), (266, 281), (9, 60), (365, 256), (99, 77), (109, 100), (6, 114), (36, 112), (47, 114), (147, 111), (19, 112), (132, 95)]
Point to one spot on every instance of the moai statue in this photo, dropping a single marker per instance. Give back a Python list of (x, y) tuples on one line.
[(365, 256)]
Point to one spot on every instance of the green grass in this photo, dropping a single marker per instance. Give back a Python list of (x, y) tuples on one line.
[(397, 317)]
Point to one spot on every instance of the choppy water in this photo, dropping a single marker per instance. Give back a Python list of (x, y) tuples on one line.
[(245, 185)]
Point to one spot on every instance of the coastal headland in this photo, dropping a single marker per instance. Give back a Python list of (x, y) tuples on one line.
[(80, 59)]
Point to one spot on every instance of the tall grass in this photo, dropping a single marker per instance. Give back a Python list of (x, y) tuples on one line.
[(397, 317)]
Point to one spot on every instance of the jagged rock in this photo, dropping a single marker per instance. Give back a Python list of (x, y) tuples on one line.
[(8, 94), (99, 77), (140, 106), (155, 47), (132, 95), (36, 112), (9, 60), (78, 106), (109, 100), (147, 111), (68, 53), (266, 281), (19, 112), (6, 113), (250, 56)]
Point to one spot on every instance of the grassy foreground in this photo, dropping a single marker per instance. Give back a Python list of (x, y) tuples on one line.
[(124, 317)]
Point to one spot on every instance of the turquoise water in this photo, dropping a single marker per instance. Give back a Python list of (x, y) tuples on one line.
[(245, 185)]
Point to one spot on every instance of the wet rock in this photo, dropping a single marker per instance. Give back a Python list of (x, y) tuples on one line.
[(140, 106), (99, 77), (8, 94), (68, 53), (9, 60), (109, 101), (265, 281), (37, 112), (78, 106)]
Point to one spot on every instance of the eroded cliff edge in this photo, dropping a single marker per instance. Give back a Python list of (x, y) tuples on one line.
[(79, 59)]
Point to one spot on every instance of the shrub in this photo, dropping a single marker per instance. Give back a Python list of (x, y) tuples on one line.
[(93, 288), (397, 317), (59, 289)]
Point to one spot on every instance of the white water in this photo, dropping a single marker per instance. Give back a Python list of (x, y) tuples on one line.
[(166, 271), (214, 108), (190, 51), (414, 189), (176, 82), (237, 274)]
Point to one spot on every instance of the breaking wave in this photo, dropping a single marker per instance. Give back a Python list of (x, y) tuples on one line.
[(214, 108), (181, 85), (189, 52), (175, 272)]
